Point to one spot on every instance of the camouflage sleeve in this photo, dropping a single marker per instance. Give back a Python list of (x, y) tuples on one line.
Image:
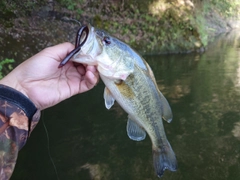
[(18, 116)]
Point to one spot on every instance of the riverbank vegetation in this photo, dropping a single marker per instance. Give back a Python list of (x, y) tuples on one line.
[(151, 26), (5, 66)]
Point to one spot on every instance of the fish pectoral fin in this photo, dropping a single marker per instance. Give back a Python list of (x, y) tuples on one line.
[(134, 131), (109, 99)]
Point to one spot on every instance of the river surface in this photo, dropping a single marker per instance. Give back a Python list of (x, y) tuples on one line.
[(87, 141)]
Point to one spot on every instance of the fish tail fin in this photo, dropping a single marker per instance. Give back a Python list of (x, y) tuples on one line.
[(164, 158)]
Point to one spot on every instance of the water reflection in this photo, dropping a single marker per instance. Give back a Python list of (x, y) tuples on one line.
[(238, 75), (89, 142), (236, 130)]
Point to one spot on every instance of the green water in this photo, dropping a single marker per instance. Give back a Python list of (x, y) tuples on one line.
[(87, 141)]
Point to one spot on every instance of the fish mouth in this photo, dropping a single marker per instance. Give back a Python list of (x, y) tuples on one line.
[(90, 35), (88, 45)]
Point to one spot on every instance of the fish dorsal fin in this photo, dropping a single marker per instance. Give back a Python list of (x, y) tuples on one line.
[(134, 131), (166, 109), (109, 99)]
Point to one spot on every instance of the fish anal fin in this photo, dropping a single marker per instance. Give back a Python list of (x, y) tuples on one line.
[(164, 158), (166, 109), (134, 131), (167, 119), (109, 99)]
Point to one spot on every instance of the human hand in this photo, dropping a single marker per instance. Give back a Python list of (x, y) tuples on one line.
[(40, 79)]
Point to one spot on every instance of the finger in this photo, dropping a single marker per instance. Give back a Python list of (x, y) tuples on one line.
[(93, 69), (81, 69), (58, 52), (91, 79), (76, 64)]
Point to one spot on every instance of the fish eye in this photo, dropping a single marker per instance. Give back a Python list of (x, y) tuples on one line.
[(107, 40)]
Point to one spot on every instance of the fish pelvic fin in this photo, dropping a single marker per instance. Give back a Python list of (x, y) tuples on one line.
[(164, 158)]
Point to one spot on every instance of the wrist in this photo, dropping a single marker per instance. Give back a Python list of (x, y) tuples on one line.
[(12, 95), (13, 83)]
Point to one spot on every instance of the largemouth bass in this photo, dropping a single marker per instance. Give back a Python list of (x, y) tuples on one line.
[(130, 81)]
